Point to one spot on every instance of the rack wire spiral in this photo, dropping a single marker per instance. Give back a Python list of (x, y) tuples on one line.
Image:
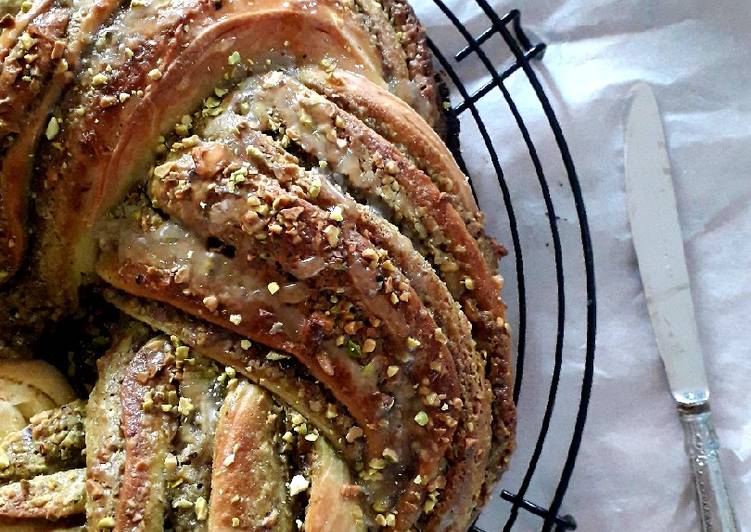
[(466, 109)]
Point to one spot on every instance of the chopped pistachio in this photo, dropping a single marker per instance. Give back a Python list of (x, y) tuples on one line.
[(170, 463), (440, 336), (273, 287), (413, 343), (234, 58), (245, 344), (370, 254), (353, 434), (182, 503), (235, 522), (53, 128), (421, 418), (328, 64), (235, 319), (161, 172), (201, 508), (368, 345), (391, 371), (99, 79), (297, 485), (211, 302), (353, 349), (185, 406), (275, 355), (106, 522), (332, 235), (390, 454), (336, 213), (377, 463), (155, 74), (469, 284)]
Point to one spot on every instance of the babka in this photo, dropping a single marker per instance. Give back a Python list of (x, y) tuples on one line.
[(242, 217)]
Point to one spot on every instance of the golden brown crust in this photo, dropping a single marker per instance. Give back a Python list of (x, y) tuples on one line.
[(418, 205), (274, 373), (107, 145), (104, 441), (332, 504), (49, 497), (318, 240), (248, 481), (470, 451), (391, 118), (40, 53), (419, 59), (22, 80), (147, 431), (338, 373)]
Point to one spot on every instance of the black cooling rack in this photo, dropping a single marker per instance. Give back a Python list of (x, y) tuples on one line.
[(522, 53)]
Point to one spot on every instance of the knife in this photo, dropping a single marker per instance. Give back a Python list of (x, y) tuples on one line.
[(659, 250)]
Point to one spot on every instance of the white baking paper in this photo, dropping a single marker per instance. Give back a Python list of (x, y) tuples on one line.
[(631, 473)]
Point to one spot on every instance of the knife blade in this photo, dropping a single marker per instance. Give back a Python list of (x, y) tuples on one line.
[(657, 239), (659, 249)]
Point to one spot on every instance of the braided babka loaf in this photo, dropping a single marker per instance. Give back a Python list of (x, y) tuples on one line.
[(308, 329)]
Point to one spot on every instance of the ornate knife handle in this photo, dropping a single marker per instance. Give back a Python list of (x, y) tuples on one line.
[(715, 510)]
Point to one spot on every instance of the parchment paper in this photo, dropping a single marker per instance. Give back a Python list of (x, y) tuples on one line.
[(631, 473)]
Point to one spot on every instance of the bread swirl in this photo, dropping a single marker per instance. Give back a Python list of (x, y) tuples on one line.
[(265, 183)]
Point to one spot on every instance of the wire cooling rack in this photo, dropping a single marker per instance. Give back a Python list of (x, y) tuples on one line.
[(468, 107)]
